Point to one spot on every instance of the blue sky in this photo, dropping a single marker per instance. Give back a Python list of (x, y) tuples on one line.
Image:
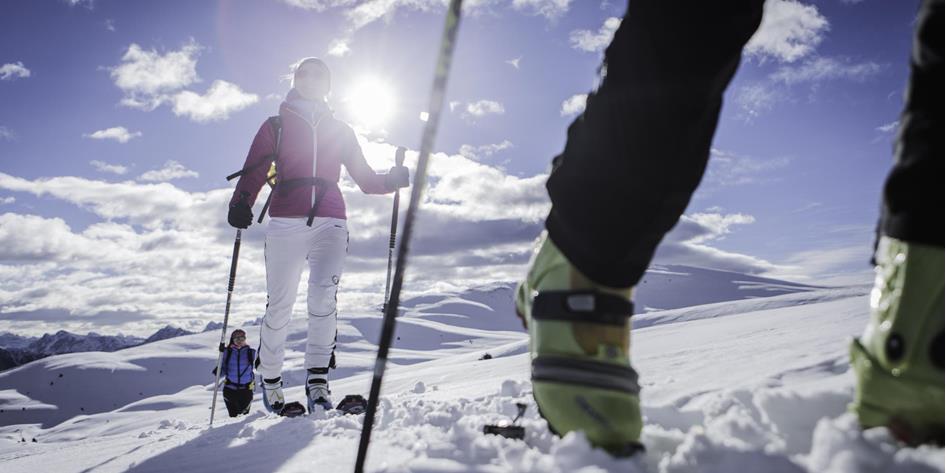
[(120, 120)]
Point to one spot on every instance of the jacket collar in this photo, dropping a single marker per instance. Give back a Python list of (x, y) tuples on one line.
[(312, 111)]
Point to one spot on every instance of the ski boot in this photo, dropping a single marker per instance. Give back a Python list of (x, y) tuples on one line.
[(579, 340), (273, 398), (316, 389), (898, 361)]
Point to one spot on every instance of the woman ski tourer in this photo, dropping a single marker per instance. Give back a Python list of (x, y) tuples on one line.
[(307, 223)]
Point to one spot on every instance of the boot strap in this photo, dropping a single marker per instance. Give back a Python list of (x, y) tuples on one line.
[(582, 306), (558, 369)]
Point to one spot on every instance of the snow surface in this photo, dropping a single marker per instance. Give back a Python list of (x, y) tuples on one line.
[(758, 384)]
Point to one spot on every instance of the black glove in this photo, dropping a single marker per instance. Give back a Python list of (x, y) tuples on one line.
[(241, 215), (397, 178)]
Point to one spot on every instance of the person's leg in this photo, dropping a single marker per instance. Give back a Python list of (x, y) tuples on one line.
[(634, 157), (898, 360), (243, 399), (630, 164), (285, 258), (230, 398), (328, 247), (285, 253), (327, 251)]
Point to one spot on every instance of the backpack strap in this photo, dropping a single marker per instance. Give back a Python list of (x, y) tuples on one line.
[(275, 122), (226, 360)]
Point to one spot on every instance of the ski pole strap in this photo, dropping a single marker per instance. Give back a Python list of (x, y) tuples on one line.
[(582, 306)]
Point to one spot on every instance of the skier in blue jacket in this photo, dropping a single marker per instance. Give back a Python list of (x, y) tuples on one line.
[(238, 359)]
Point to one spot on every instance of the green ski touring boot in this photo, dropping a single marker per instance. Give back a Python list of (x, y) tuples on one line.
[(579, 340), (898, 360)]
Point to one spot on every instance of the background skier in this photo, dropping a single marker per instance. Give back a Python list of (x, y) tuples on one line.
[(238, 360), (307, 224), (629, 168)]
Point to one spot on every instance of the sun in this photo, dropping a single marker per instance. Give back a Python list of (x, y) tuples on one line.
[(370, 102)]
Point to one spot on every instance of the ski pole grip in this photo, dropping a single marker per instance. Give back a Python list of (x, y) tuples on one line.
[(399, 156), (221, 347)]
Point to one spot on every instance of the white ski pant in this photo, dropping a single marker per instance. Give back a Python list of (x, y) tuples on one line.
[(290, 244)]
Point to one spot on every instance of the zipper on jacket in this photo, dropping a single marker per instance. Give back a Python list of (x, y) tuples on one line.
[(315, 147)]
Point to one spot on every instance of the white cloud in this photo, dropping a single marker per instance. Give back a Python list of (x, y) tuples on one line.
[(477, 224), (514, 62), (840, 265), (591, 41), (171, 170), (220, 100), (150, 79), (147, 76), (754, 99), (7, 134), (13, 71), (117, 133), (889, 127), (790, 30), (110, 24), (360, 13), (481, 108), (317, 5), (717, 224), (686, 244), (825, 68), (574, 105), (727, 169), (550, 9), (478, 152), (368, 12), (7, 200), (28, 237), (339, 48), (102, 166)]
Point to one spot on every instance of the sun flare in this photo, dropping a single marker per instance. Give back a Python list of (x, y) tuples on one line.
[(371, 102)]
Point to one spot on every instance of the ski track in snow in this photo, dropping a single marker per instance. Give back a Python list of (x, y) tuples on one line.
[(751, 385)]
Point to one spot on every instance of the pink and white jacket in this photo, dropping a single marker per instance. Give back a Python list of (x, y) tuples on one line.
[(313, 144)]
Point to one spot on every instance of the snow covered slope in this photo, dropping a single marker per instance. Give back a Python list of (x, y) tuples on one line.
[(753, 385)]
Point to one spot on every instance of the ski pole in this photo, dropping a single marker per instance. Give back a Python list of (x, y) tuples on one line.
[(398, 160), (226, 314), (435, 107)]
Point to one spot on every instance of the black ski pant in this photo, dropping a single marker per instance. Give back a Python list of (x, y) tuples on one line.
[(912, 210), (634, 158), (237, 400)]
